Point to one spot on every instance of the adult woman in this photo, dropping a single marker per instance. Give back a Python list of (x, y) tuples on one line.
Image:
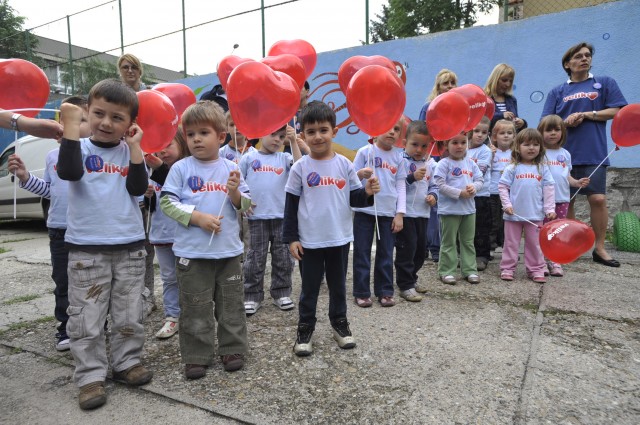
[(130, 70), (445, 81), (499, 87), (586, 103)]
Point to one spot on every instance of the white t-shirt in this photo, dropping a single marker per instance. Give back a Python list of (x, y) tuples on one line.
[(559, 162), (482, 157), (59, 190), (163, 228), (525, 190), (266, 175), (456, 174), (234, 155), (500, 161), (417, 191)]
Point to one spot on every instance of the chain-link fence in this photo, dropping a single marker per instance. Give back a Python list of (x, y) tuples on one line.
[(512, 10)]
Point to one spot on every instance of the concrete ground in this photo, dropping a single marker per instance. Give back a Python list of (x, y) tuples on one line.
[(567, 352)]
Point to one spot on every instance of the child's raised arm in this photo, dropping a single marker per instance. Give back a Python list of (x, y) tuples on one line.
[(70, 165)]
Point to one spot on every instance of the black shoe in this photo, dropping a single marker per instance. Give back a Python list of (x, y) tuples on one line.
[(609, 263), (342, 334), (303, 345)]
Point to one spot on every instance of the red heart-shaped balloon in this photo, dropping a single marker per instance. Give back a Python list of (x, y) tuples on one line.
[(289, 64), (158, 119), (302, 49), (563, 241), (356, 63), (261, 100), (477, 100), (180, 95), (375, 99), (491, 108), (403, 133), (625, 128), (23, 85), (227, 65), (447, 115)]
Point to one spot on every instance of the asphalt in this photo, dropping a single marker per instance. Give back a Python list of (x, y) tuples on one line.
[(566, 352)]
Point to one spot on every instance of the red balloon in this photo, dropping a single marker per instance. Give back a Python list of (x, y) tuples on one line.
[(289, 64), (375, 99), (355, 63), (477, 100), (23, 85), (302, 49), (227, 65), (447, 115), (180, 95), (625, 128), (261, 100), (491, 108), (563, 241), (158, 119), (403, 133)]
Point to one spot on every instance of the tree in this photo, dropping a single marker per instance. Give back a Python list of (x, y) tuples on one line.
[(85, 73), (14, 42), (409, 18)]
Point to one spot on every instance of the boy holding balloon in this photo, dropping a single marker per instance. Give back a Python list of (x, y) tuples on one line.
[(105, 237)]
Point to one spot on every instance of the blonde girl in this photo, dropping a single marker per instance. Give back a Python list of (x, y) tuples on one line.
[(502, 136)]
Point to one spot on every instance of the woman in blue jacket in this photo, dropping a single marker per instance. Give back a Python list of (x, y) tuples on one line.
[(500, 88)]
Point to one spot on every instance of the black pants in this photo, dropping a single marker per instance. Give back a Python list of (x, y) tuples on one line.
[(410, 251), (59, 262), (496, 237), (481, 241)]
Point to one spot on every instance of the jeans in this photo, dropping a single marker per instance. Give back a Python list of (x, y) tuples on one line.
[(363, 234), (170, 293), (59, 262), (411, 252), (333, 261)]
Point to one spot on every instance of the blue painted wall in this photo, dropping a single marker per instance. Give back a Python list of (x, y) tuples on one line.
[(534, 47)]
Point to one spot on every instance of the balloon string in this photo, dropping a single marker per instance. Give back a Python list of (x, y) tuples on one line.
[(375, 208), (594, 170), (531, 222), (32, 109), (427, 161), (15, 180), (226, 194)]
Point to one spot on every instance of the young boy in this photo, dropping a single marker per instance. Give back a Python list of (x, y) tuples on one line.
[(266, 172), (317, 223), (390, 209), (105, 237), (237, 146), (411, 241), (203, 193), (481, 154), (51, 187)]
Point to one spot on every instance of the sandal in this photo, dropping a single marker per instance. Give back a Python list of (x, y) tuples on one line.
[(363, 302)]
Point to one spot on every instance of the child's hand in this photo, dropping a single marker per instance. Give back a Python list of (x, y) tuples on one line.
[(364, 173), (304, 148), (420, 173), (234, 181), (551, 215), (431, 200), (295, 248), (17, 168), (584, 182), (509, 210), (471, 190), (290, 135), (372, 186), (149, 192), (133, 136), (207, 222), (70, 115), (152, 161), (250, 212), (493, 148), (398, 223)]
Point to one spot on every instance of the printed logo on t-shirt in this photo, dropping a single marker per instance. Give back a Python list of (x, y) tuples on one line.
[(385, 165), (560, 161), (315, 180), (231, 157), (257, 167), (592, 95), (197, 184), (95, 164), (457, 172), (528, 176)]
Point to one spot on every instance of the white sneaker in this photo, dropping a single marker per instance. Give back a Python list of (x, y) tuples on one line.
[(169, 329), (63, 344), (411, 295), (284, 303), (250, 307)]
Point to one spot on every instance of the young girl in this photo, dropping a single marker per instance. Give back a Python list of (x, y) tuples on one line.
[(558, 160), (527, 194), (500, 88), (458, 179), (502, 136), (161, 235)]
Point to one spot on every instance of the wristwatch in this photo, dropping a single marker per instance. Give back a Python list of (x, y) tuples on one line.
[(14, 121), (595, 114)]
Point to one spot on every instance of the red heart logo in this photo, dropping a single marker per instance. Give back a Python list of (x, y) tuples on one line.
[(289, 64), (227, 65), (261, 100), (538, 178), (355, 63), (279, 171), (592, 95), (340, 183)]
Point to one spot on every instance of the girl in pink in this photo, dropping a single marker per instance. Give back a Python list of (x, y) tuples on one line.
[(558, 160), (527, 194)]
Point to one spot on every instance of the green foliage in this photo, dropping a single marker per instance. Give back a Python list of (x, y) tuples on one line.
[(14, 42), (86, 72), (409, 18)]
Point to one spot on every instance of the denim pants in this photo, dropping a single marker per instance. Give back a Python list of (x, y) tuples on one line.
[(149, 273), (363, 234), (170, 294), (483, 228), (433, 233), (211, 289), (59, 262), (411, 251), (462, 229), (315, 262), (100, 283)]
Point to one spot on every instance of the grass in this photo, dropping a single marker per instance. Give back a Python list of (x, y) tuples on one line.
[(17, 240), (3, 250), (27, 325), (21, 299)]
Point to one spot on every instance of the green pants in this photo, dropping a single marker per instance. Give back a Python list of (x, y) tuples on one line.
[(460, 228)]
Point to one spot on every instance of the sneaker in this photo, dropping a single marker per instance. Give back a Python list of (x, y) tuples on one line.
[(506, 276), (411, 295), (363, 302), (342, 334), (169, 329), (387, 301), (481, 264), (283, 303), (303, 346), (421, 288), (473, 279), (135, 375), (448, 279), (92, 395), (232, 362), (250, 307), (195, 371), (63, 343), (556, 270)]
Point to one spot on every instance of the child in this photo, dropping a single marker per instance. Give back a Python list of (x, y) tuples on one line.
[(317, 223), (527, 194), (237, 146), (208, 266), (162, 233), (411, 241), (105, 237), (458, 179), (502, 136), (51, 187), (266, 172), (390, 209), (481, 154), (558, 159)]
